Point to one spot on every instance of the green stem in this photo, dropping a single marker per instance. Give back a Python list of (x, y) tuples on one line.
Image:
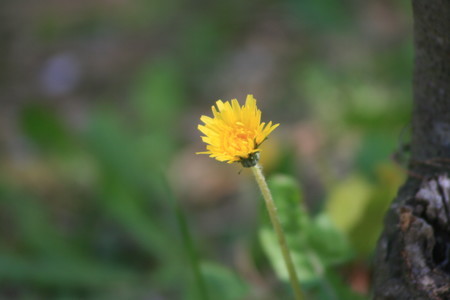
[(188, 243), (271, 208), (195, 263)]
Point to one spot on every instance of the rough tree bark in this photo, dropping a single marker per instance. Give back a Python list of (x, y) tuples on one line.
[(413, 255)]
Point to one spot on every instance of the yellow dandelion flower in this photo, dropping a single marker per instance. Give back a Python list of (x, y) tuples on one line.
[(235, 133)]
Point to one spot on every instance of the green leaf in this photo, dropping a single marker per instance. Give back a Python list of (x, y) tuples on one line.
[(124, 206), (330, 244), (333, 287), (60, 273), (315, 244), (222, 283), (321, 14), (347, 202), (43, 126), (158, 95), (121, 156), (33, 226), (307, 264), (288, 198), (357, 207), (365, 233), (375, 148), (295, 222)]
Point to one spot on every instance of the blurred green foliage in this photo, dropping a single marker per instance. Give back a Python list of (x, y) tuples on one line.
[(84, 210), (316, 244)]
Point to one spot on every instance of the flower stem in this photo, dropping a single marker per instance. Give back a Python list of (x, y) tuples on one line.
[(271, 208)]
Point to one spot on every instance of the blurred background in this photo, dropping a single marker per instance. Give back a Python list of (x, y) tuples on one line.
[(100, 187)]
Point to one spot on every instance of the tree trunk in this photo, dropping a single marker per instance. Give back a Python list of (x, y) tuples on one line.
[(412, 260)]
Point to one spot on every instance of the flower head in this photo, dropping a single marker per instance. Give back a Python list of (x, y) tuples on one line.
[(235, 133)]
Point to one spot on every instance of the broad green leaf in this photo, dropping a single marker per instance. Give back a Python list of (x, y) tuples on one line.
[(366, 232), (347, 202), (295, 222), (222, 283), (358, 207), (375, 148), (315, 244), (329, 243), (307, 264), (288, 199)]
